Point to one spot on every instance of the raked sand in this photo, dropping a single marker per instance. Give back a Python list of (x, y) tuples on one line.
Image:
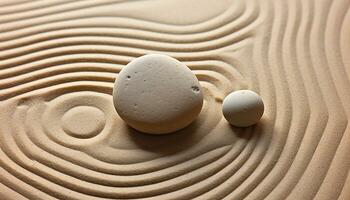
[(59, 60)]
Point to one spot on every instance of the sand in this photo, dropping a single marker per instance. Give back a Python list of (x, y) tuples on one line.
[(60, 58)]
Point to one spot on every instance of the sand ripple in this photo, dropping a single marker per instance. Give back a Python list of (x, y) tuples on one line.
[(60, 58)]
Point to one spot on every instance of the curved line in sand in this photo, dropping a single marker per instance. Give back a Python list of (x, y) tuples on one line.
[(275, 160)]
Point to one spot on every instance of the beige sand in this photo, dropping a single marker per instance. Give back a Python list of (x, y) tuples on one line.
[(59, 55)]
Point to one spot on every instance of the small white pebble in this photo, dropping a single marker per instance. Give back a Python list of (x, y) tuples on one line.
[(243, 108)]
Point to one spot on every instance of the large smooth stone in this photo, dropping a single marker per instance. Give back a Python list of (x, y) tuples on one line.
[(157, 94)]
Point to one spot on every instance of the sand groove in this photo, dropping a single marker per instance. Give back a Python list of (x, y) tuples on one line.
[(60, 57)]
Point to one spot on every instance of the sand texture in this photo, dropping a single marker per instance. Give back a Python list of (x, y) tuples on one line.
[(59, 60)]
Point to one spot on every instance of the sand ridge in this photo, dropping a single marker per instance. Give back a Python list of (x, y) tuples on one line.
[(57, 56)]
